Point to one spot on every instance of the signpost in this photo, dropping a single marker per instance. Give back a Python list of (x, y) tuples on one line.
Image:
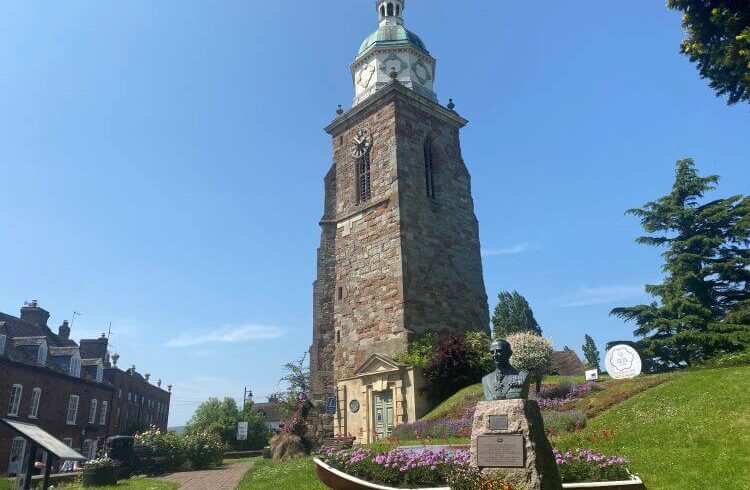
[(242, 431), (592, 375), (622, 362)]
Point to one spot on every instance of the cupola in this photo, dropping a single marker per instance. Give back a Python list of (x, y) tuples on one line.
[(392, 48)]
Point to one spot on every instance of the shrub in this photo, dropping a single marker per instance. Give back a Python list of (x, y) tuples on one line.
[(531, 353), (568, 421), (734, 359), (204, 449), (420, 350), (161, 451), (584, 465), (452, 367)]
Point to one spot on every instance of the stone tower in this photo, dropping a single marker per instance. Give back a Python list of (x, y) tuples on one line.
[(399, 252)]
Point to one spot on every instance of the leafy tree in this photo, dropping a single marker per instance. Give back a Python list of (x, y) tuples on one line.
[(297, 381), (706, 288), (590, 352), (220, 417), (719, 42), (513, 314), (532, 353)]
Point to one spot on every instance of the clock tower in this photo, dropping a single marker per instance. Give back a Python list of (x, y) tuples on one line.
[(399, 252)]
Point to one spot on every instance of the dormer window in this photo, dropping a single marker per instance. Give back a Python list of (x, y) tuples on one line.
[(75, 366), (41, 356), (99, 373)]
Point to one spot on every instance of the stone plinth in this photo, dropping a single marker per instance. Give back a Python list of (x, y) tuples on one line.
[(529, 460)]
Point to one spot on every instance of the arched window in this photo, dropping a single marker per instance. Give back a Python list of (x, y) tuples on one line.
[(36, 395), (398, 9), (390, 10), (17, 453), (15, 400), (364, 189), (429, 170), (382, 10)]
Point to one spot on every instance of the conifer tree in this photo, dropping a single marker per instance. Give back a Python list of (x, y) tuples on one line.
[(702, 307), (513, 314), (590, 352)]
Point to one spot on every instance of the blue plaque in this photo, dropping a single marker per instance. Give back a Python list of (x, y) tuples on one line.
[(331, 404)]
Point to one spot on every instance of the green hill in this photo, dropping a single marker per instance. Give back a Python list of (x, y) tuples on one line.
[(688, 434)]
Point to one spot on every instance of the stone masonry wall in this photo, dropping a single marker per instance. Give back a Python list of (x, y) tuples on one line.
[(443, 281)]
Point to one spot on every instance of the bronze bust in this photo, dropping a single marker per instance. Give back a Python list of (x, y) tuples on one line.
[(507, 382)]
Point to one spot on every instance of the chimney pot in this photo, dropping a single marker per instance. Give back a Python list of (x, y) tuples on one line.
[(147, 376)]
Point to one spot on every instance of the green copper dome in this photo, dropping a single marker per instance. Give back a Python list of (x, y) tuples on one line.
[(392, 36)]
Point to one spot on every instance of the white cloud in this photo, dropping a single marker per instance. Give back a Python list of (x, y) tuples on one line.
[(587, 296), (518, 248), (230, 334)]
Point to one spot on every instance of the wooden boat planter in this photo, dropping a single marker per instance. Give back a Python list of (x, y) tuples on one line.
[(634, 483), (338, 480)]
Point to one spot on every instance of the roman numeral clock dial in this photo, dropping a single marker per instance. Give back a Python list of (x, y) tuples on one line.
[(361, 143)]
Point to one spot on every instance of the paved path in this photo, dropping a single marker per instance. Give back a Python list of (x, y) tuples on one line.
[(225, 478)]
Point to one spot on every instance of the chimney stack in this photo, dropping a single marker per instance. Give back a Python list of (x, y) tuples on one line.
[(64, 330), (146, 376), (115, 358), (132, 370), (32, 313)]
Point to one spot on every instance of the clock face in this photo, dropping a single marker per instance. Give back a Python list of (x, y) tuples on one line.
[(361, 143), (364, 75)]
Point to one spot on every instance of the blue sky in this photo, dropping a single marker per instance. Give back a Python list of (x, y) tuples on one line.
[(162, 162)]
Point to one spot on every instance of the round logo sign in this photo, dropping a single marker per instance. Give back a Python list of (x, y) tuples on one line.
[(354, 406), (622, 361)]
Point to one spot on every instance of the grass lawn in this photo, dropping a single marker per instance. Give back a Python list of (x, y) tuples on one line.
[(267, 475), (134, 484), (5, 485), (690, 433)]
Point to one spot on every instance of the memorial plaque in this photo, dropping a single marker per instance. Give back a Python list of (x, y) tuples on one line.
[(498, 422), (500, 451)]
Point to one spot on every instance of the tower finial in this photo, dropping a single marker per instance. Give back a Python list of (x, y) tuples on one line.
[(391, 11)]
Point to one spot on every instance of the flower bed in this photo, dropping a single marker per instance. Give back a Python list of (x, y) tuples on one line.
[(584, 465), (399, 467)]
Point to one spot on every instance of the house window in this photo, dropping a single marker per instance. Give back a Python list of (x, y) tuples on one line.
[(68, 442), (2, 344), (364, 183), (17, 452), (429, 175), (73, 409), (340, 294), (15, 400), (103, 414), (92, 411), (99, 373), (36, 395)]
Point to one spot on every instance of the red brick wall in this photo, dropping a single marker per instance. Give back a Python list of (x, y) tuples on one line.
[(53, 406), (136, 412)]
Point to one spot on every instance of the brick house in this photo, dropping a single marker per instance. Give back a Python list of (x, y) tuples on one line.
[(72, 391)]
